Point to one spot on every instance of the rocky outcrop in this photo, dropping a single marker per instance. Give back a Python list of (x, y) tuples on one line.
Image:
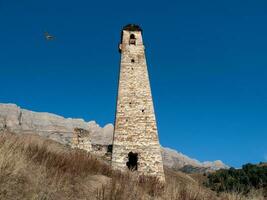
[(49, 125), (101, 135), (176, 160), (60, 129)]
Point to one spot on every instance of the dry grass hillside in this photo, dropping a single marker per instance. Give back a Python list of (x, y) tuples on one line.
[(34, 168)]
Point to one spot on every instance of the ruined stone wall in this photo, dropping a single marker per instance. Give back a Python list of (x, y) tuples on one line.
[(103, 151), (135, 124), (81, 139)]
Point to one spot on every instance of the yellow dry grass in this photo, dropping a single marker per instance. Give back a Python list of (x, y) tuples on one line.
[(38, 169)]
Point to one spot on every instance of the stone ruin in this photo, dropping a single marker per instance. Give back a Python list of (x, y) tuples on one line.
[(81, 139)]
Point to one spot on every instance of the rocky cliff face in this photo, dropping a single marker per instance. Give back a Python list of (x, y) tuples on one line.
[(176, 160), (49, 125), (61, 129)]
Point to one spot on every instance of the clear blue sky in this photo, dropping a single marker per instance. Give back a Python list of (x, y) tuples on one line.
[(207, 62)]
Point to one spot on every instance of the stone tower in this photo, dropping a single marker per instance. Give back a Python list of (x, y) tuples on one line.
[(135, 141)]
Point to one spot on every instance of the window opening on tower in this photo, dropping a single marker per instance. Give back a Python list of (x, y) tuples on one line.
[(132, 39), (132, 161)]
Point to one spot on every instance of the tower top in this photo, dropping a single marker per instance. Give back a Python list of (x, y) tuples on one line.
[(132, 27), (131, 34)]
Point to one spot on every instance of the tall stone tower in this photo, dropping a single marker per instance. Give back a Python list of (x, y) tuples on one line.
[(135, 141)]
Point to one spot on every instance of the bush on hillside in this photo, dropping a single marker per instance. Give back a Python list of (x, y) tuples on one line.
[(243, 180)]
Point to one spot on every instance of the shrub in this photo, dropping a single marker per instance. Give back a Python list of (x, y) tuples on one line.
[(243, 180)]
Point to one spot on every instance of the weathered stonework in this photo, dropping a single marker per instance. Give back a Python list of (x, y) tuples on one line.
[(103, 151), (81, 139), (135, 125)]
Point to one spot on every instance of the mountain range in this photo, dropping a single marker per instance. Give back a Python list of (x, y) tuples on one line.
[(60, 129)]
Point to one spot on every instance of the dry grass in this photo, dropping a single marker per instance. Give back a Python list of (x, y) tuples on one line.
[(34, 168), (253, 195)]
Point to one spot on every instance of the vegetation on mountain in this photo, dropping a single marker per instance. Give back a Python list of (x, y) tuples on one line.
[(250, 177)]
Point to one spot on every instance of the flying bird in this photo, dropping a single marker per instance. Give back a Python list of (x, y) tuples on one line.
[(48, 36)]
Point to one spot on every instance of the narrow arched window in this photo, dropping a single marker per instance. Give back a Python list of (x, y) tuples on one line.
[(132, 39)]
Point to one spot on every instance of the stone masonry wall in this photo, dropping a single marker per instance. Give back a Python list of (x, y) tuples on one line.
[(135, 125), (103, 151), (81, 139)]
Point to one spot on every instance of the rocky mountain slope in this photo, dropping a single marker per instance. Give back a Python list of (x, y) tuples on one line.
[(60, 129), (176, 160)]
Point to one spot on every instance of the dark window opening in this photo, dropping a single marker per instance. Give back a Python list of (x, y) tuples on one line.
[(132, 39), (109, 150), (143, 110), (132, 60), (132, 161)]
